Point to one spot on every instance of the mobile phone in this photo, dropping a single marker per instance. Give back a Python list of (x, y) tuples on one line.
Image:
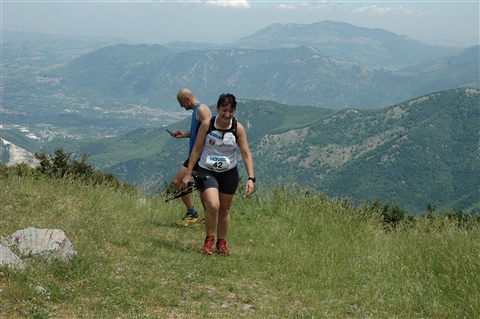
[(170, 132)]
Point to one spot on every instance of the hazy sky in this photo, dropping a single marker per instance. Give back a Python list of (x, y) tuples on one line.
[(223, 21)]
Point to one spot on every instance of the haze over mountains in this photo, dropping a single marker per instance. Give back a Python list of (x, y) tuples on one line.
[(308, 94), (373, 47), (301, 75)]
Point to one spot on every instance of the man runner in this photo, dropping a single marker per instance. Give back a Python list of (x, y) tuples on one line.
[(201, 112)]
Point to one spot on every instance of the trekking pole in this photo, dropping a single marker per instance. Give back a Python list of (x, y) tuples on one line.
[(190, 188)]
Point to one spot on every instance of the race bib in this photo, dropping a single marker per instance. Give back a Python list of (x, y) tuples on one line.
[(218, 163)]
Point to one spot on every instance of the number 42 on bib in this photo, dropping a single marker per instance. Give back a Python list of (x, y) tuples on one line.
[(218, 163)]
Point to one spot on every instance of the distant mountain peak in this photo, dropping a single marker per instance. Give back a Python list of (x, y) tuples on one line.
[(375, 47)]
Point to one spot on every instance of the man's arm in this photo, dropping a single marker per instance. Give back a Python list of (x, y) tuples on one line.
[(203, 113), (180, 134)]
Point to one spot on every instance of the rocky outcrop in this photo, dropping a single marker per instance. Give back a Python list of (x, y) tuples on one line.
[(10, 154), (47, 244)]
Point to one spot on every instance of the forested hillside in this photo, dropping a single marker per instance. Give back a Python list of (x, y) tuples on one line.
[(414, 153)]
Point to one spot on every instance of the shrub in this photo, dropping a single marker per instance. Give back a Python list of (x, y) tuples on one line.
[(391, 213), (65, 166)]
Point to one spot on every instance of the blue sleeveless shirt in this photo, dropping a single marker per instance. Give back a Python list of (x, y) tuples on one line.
[(194, 128)]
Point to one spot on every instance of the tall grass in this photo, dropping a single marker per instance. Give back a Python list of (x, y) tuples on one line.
[(294, 255)]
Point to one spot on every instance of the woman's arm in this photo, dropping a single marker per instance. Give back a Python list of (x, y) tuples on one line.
[(246, 156)]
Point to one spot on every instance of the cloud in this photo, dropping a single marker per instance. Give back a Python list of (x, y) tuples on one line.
[(323, 4), (229, 3), (376, 10), (284, 6)]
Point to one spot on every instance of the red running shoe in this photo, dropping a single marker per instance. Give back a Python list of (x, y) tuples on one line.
[(222, 247), (208, 245)]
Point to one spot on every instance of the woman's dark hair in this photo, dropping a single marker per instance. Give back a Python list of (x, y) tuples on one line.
[(227, 98)]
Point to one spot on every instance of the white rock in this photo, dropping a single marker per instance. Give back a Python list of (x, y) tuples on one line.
[(44, 243), (9, 258)]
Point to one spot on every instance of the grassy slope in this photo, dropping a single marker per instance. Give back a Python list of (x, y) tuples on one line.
[(293, 255)]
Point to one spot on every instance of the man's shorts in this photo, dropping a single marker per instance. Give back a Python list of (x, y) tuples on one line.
[(226, 182), (195, 168)]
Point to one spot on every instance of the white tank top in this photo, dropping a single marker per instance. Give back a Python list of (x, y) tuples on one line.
[(219, 153)]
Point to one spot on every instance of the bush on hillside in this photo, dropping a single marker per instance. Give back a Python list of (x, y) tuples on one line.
[(391, 213), (65, 166), (463, 220)]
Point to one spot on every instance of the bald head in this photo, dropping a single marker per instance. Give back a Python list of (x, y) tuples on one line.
[(185, 92), (186, 99)]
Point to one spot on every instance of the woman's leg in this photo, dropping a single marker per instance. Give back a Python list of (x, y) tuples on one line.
[(211, 203), (224, 215)]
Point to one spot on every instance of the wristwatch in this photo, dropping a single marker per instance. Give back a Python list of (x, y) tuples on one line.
[(251, 179)]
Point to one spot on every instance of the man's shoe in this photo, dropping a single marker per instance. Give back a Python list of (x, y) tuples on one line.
[(189, 220), (222, 247), (208, 245)]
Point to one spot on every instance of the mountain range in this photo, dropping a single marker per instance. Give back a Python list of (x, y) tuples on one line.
[(396, 120), (301, 76), (121, 87)]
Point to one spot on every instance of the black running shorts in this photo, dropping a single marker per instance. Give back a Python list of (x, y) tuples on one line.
[(226, 182)]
